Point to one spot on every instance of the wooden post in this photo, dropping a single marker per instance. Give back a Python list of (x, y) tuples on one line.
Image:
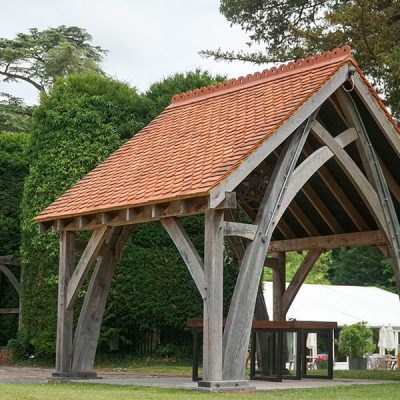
[(279, 287), (64, 319), (213, 303)]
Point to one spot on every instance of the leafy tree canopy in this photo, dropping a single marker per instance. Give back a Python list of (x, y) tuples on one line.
[(14, 114), (318, 275), (361, 266), (281, 30), (39, 57), (160, 93)]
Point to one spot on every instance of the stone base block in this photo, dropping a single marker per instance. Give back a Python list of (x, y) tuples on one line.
[(73, 375), (226, 386)]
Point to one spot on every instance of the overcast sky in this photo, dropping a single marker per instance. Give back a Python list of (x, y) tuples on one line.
[(147, 39)]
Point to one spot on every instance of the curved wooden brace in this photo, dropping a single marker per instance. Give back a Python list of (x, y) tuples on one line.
[(89, 323), (89, 255), (11, 277), (310, 166), (360, 182), (238, 323)]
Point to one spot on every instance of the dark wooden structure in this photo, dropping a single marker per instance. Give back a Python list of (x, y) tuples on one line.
[(274, 366), (307, 150), (5, 263)]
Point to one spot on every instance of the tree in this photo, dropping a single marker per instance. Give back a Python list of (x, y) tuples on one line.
[(82, 121), (361, 266), (318, 274), (39, 57), (160, 93), (290, 29), (14, 114)]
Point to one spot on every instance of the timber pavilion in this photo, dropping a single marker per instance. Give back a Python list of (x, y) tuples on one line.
[(307, 150)]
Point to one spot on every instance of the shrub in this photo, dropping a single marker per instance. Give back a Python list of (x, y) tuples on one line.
[(356, 340)]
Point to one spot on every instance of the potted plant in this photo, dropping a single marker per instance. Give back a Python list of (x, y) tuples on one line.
[(355, 341)]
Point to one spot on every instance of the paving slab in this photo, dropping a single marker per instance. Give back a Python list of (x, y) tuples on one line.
[(42, 375)]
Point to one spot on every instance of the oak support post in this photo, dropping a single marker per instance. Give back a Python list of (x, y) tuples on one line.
[(65, 317), (213, 302), (279, 287)]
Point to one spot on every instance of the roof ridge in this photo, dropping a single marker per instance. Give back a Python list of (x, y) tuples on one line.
[(258, 77)]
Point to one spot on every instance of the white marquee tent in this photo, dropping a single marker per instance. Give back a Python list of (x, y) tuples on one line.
[(343, 304)]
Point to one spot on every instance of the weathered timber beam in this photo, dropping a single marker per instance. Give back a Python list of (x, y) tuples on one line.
[(302, 218), (377, 178), (187, 250), (369, 238), (229, 202), (310, 166), (247, 231), (285, 229), (89, 255), (350, 168), (11, 277), (9, 311), (238, 326), (213, 300), (137, 215), (338, 193), (89, 323), (394, 187), (10, 260), (377, 113), (296, 210), (279, 287), (322, 209), (64, 316), (299, 278)]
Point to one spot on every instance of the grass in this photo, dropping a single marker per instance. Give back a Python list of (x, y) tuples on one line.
[(110, 392), (149, 365)]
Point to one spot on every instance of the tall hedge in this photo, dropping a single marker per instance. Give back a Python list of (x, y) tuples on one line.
[(13, 169), (80, 123)]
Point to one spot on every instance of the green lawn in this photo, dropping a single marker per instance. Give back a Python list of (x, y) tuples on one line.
[(82, 391)]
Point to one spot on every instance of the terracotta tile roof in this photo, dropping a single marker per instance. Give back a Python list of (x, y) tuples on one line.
[(199, 139)]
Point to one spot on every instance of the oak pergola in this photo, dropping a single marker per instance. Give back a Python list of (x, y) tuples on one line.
[(307, 150)]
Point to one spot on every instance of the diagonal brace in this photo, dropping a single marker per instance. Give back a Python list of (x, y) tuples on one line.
[(89, 254), (187, 251)]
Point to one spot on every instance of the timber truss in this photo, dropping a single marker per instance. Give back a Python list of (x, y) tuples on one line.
[(325, 179)]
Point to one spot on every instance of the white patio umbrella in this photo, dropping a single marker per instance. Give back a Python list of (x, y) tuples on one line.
[(390, 340), (311, 343), (382, 339)]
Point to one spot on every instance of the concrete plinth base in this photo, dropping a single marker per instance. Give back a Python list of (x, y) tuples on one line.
[(73, 375), (226, 386)]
